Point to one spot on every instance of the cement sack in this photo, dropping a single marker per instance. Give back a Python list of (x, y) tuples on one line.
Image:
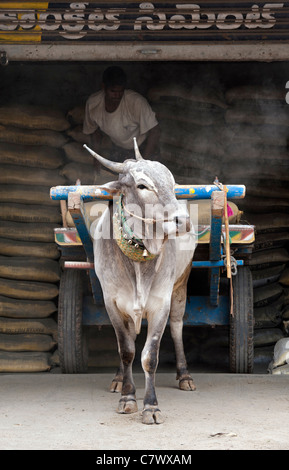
[(270, 222), (269, 190), (267, 337), (266, 276), (269, 316), (270, 240), (267, 258), (30, 213), (33, 117), (29, 232), (201, 141), (15, 308), (191, 95), (182, 158), (76, 115), (22, 194), (265, 295), (250, 152), (76, 134), (74, 171), (29, 269), (28, 362), (257, 135), (40, 156), (254, 93), (14, 174), (204, 117), (12, 326), (264, 171), (28, 290), (284, 278), (21, 136), (259, 205), (30, 249), (22, 342), (254, 115), (75, 152)]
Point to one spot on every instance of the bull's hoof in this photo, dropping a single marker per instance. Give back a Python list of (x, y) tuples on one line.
[(186, 383), (152, 415), (127, 405), (116, 386)]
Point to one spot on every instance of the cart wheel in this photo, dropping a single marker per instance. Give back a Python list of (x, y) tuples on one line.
[(72, 341), (242, 323)]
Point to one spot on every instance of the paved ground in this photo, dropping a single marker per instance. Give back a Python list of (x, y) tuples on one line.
[(54, 411)]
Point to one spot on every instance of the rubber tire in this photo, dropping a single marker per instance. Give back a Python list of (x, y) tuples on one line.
[(72, 340), (242, 323)]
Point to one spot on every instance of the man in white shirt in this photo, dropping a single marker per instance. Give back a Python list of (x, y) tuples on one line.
[(122, 115)]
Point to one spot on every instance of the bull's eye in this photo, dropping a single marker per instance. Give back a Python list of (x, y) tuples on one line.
[(142, 186)]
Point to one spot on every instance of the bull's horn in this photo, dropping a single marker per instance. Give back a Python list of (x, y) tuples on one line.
[(113, 166), (136, 150)]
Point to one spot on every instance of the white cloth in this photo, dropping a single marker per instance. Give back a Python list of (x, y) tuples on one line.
[(132, 118)]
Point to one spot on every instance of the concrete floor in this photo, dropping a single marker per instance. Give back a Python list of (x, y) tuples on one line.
[(71, 412)]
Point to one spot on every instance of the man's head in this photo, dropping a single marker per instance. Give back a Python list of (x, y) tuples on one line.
[(114, 82)]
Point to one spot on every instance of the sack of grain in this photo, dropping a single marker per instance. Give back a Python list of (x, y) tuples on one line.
[(28, 290), (40, 156), (33, 117), (30, 213), (29, 269), (28, 362), (16, 174), (29, 232), (201, 117), (26, 342), (15, 135), (15, 308), (30, 249)]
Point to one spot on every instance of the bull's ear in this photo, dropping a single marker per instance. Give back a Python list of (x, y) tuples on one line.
[(113, 187)]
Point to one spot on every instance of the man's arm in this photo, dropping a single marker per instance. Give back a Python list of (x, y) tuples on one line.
[(152, 142)]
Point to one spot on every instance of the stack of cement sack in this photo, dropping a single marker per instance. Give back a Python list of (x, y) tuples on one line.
[(192, 127), (31, 157), (257, 156)]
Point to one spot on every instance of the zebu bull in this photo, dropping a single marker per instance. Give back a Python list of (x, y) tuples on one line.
[(143, 274)]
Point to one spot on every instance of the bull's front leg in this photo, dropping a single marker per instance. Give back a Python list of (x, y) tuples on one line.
[(150, 356)]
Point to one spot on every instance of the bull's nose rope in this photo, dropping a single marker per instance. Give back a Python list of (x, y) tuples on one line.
[(131, 246)]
